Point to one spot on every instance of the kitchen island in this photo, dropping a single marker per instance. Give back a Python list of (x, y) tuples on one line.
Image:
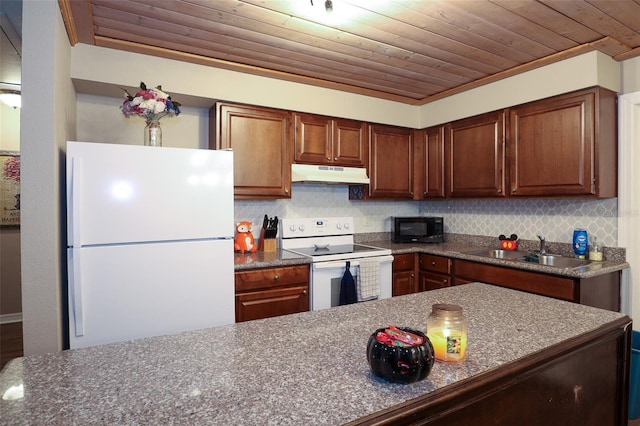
[(530, 360)]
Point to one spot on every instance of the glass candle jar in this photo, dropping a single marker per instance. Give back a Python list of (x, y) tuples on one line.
[(447, 330)]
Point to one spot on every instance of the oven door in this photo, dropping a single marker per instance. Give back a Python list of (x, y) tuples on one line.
[(326, 278)]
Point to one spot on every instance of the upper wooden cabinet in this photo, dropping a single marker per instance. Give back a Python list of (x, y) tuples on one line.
[(327, 140), (475, 156), (261, 139), (390, 162), (429, 163), (566, 145)]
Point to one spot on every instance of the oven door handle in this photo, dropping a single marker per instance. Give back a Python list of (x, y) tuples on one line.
[(354, 262)]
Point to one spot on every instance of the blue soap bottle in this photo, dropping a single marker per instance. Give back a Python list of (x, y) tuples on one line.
[(580, 243)]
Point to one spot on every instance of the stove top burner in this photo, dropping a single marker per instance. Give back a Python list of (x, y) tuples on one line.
[(325, 239)]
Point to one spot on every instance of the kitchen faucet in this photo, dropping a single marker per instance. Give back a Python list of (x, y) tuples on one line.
[(543, 244)]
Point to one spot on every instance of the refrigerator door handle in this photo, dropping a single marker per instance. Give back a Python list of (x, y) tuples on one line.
[(74, 193), (75, 291)]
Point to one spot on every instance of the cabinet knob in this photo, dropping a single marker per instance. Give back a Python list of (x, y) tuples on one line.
[(335, 159), (276, 277), (444, 281), (304, 291), (499, 191), (433, 263), (329, 158), (286, 190)]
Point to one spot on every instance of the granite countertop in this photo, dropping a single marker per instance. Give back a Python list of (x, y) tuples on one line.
[(458, 250), (261, 259), (308, 368)]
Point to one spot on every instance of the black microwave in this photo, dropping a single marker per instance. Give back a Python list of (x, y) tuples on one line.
[(419, 229)]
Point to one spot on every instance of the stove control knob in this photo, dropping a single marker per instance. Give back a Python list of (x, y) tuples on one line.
[(346, 226), (301, 227), (292, 228), (339, 225)]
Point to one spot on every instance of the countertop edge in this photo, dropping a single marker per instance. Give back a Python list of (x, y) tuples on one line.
[(260, 260)]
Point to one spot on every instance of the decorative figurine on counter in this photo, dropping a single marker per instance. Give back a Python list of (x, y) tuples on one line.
[(244, 241)]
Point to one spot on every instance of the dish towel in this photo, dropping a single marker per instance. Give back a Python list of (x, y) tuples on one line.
[(347, 287), (368, 280)]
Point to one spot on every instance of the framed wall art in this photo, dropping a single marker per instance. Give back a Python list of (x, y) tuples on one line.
[(9, 188)]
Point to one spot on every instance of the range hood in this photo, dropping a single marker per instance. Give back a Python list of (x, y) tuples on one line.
[(328, 174)]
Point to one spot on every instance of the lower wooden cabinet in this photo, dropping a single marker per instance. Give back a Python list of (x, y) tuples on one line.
[(404, 274), (602, 291), (435, 272), (265, 293)]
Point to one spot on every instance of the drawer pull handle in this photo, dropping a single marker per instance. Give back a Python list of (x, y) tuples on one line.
[(433, 263), (276, 277)]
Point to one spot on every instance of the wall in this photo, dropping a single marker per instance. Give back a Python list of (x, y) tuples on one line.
[(589, 69), (10, 289), (630, 70), (104, 71), (48, 119)]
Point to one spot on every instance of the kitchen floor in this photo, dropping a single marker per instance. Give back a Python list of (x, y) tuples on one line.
[(11, 347)]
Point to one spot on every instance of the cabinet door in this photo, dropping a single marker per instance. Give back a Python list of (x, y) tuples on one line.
[(552, 146), (404, 283), (261, 140), (433, 162), (390, 162), (431, 281), (475, 152), (349, 142), (325, 140), (404, 276), (271, 303), (313, 139)]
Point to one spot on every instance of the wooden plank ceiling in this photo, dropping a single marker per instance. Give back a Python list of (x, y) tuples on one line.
[(411, 51)]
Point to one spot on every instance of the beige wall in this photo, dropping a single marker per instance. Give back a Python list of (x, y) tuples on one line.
[(10, 297), (631, 76), (589, 69), (48, 119), (103, 71), (9, 128)]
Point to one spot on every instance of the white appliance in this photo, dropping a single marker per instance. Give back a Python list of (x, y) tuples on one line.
[(330, 244), (150, 241)]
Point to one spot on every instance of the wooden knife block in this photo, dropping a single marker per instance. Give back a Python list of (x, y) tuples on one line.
[(267, 245)]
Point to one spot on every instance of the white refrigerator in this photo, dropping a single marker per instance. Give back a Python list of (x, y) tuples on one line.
[(150, 241)]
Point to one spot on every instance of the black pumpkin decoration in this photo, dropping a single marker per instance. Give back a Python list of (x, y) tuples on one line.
[(397, 364)]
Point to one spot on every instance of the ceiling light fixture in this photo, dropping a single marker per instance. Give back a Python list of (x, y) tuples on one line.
[(328, 5), (11, 98)]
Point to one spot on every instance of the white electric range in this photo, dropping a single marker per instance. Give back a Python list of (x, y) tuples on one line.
[(329, 241)]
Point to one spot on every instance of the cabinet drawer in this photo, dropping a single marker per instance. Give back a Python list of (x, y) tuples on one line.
[(403, 262), (271, 277), (432, 263), (272, 303)]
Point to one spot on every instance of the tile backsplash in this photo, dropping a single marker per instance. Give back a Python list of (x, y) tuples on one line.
[(555, 219)]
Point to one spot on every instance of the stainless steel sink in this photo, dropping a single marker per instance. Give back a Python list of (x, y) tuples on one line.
[(561, 261), (497, 254)]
